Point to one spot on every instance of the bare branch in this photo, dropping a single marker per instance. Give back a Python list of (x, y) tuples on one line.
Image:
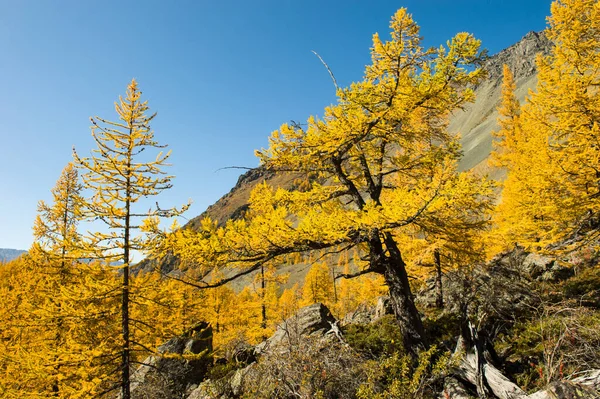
[(328, 70), (357, 274)]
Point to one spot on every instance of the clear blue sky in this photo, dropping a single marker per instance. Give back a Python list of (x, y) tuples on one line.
[(221, 75)]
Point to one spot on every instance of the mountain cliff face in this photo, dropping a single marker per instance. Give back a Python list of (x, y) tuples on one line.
[(477, 121), (474, 124)]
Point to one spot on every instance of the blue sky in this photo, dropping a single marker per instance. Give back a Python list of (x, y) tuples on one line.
[(221, 75)]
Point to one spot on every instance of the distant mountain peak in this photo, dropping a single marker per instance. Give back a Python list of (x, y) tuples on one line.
[(8, 254), (520, 57)]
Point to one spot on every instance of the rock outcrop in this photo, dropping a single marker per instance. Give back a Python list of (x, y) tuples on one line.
[(520, 57), (476, 122), (365, 314), (505, 281), (313, 320), (180, 364), (545, 268)]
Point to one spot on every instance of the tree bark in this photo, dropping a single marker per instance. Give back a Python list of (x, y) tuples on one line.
[(263, 306), (125, 349), (396, 278), (439, 292)]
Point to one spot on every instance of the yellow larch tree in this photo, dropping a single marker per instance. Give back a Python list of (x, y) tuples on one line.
[(21, 337), (566, 107), (289, 302), (348, 292), (552, 190), (266, 286), (567, 97), (318, 286), (55, 227), (388, 161), (54, 352), (164, 308), (509, 138), (245, 317), (527, 214), (220, 304), (436, 247), (119, 174), (55, 251)]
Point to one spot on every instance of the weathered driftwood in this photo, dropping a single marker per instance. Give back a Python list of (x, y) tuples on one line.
[(476, 369), (590, 379), (454, 389), (474, 366)]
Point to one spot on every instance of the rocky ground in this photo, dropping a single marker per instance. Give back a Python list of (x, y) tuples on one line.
[(487, 344)]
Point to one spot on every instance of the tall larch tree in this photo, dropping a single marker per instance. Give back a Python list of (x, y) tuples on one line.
[(56, 250), (119, 174), (567, 106), (387, 157), (50, 352), (525, 215), (550, 147), (55, 227), (318, 285), (55, 323), (266, 285), (509, 137)]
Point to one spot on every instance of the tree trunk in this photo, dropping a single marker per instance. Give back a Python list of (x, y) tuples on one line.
[(263, 306), (439, 292), (125, 354), (125, 361), (407, 315), (335, 296), (476, 368)]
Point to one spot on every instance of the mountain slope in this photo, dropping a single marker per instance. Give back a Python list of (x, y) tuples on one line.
[(475, 125), (477, 121)]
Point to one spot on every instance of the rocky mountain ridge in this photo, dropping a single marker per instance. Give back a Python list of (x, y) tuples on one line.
[(476, 122)]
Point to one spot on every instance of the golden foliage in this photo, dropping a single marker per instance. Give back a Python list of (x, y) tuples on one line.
[(549, 146)]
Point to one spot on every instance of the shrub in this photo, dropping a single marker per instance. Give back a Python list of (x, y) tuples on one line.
[(585, 287), (442, 326), (562, 340), (400, 376), (313, 367), (382, 337)]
